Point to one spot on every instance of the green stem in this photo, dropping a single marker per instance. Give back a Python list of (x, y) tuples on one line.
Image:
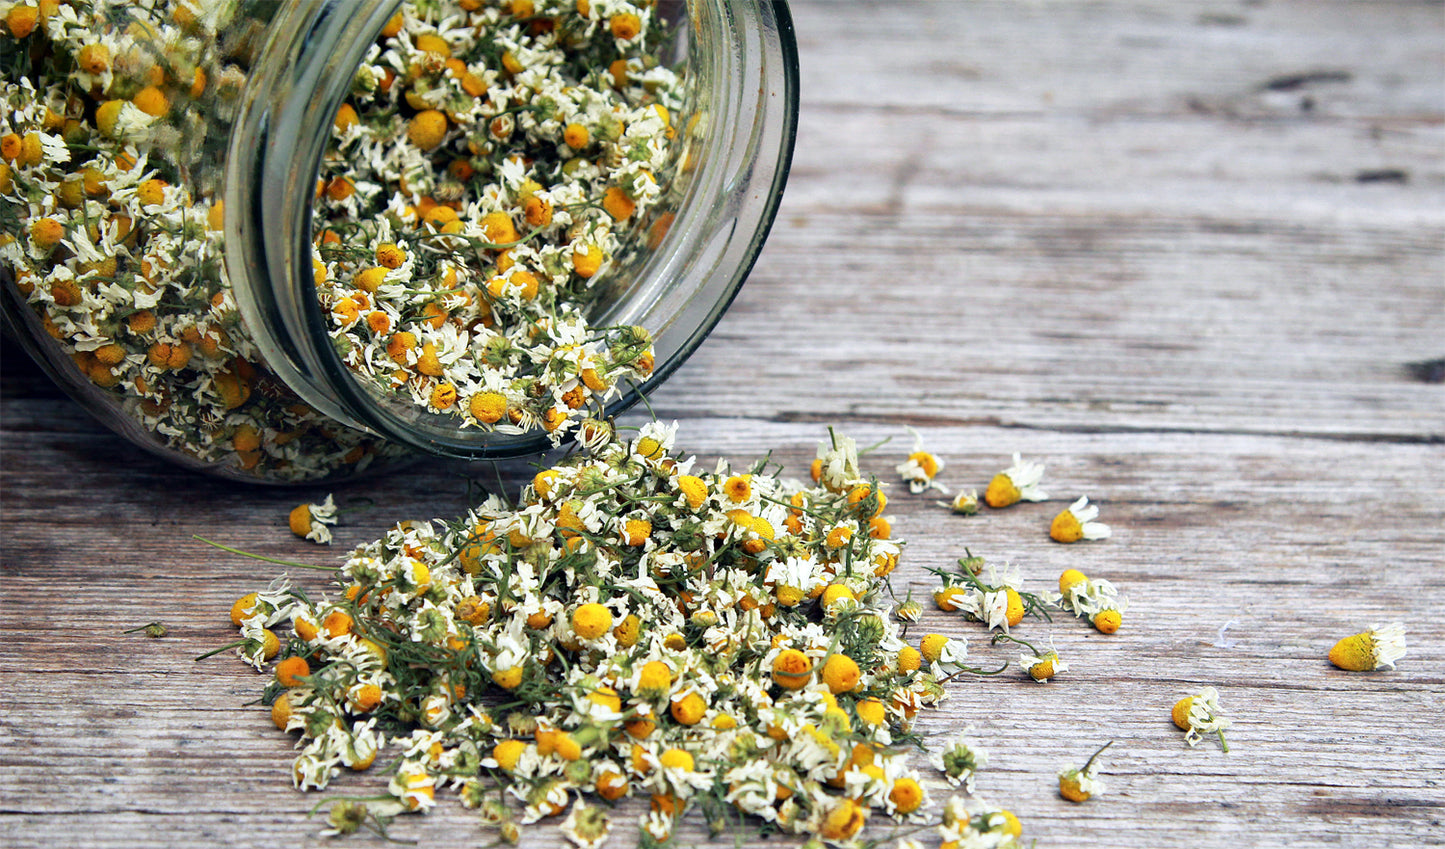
[(263, 557), (997, 638), (236, 644), (1090, 761)]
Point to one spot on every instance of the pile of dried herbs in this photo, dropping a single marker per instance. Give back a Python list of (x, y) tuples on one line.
[(711, 638)]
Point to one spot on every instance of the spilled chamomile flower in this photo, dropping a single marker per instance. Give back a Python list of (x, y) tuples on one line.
[(1019, 482), (1077, 522), (921, 468), (1376, 648), (312, 521), (1201, 714)]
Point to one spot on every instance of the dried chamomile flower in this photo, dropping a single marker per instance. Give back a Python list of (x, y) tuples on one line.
[(1376, 648), (836, 464), (1108, 614), (965, 503), (960, 759), (587, 826), (921, 468), (1040, 665), (311, 521), (1201, 714), (1080, 785), (908, 611), (1074, 590), (1019, 482), (1077, 522), (345, 817)]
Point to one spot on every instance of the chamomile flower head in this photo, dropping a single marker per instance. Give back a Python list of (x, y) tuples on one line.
[(1019, 482), (587, 826), (1042, 667), (965, 503), (836, 464), (1073, 587), (960, 759), (1081, 784), (312, 521), (921, 468), (1077, 522), (1376, 648), (908, 610), (1199, 714), (345, 817), (977, 823), (1106, 614), (947, 654), (906, 798)]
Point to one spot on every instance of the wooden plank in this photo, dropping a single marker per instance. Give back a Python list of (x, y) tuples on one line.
[(1182, 252)]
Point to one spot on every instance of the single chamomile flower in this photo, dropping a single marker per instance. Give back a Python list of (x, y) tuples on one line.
[(965, 503), (1201, 714), (1108, 614), (586, 826), (1077, 522), (1080, 785), (345, 817), (1019, 482), (960, 759), (1073, 590), (909, 610), (1041, 665), (921, 468), (836, 464), (1376, 648), (310, 521)]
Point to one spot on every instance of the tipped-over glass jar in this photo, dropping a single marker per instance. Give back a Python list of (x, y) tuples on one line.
[(284, 241)]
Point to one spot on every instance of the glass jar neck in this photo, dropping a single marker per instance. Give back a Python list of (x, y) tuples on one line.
[(277, 142)]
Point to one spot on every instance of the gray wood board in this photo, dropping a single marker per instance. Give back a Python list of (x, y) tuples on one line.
[(1181, 252)]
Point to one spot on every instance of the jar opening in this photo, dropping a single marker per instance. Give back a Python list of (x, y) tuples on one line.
[(706, 199)]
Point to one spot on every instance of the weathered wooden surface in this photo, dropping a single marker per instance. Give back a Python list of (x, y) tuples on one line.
[(1182, 252)]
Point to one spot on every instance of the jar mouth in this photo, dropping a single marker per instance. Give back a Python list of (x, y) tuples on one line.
[(741, 62)]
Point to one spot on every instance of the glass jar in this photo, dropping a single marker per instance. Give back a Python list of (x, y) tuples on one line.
[(285, 242)]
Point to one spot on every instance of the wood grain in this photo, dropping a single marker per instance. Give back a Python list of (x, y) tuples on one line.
[(1181, 252)]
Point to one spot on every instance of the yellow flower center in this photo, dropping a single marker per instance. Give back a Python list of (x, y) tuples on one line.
[(931, 647), (792, 669), (906, 795), (1354, 654), (1066, 528), (1001, 492), (841, 673)]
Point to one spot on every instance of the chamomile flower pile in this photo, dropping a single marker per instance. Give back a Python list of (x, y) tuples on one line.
[(492, 164), (113, 234), (712, 639)]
